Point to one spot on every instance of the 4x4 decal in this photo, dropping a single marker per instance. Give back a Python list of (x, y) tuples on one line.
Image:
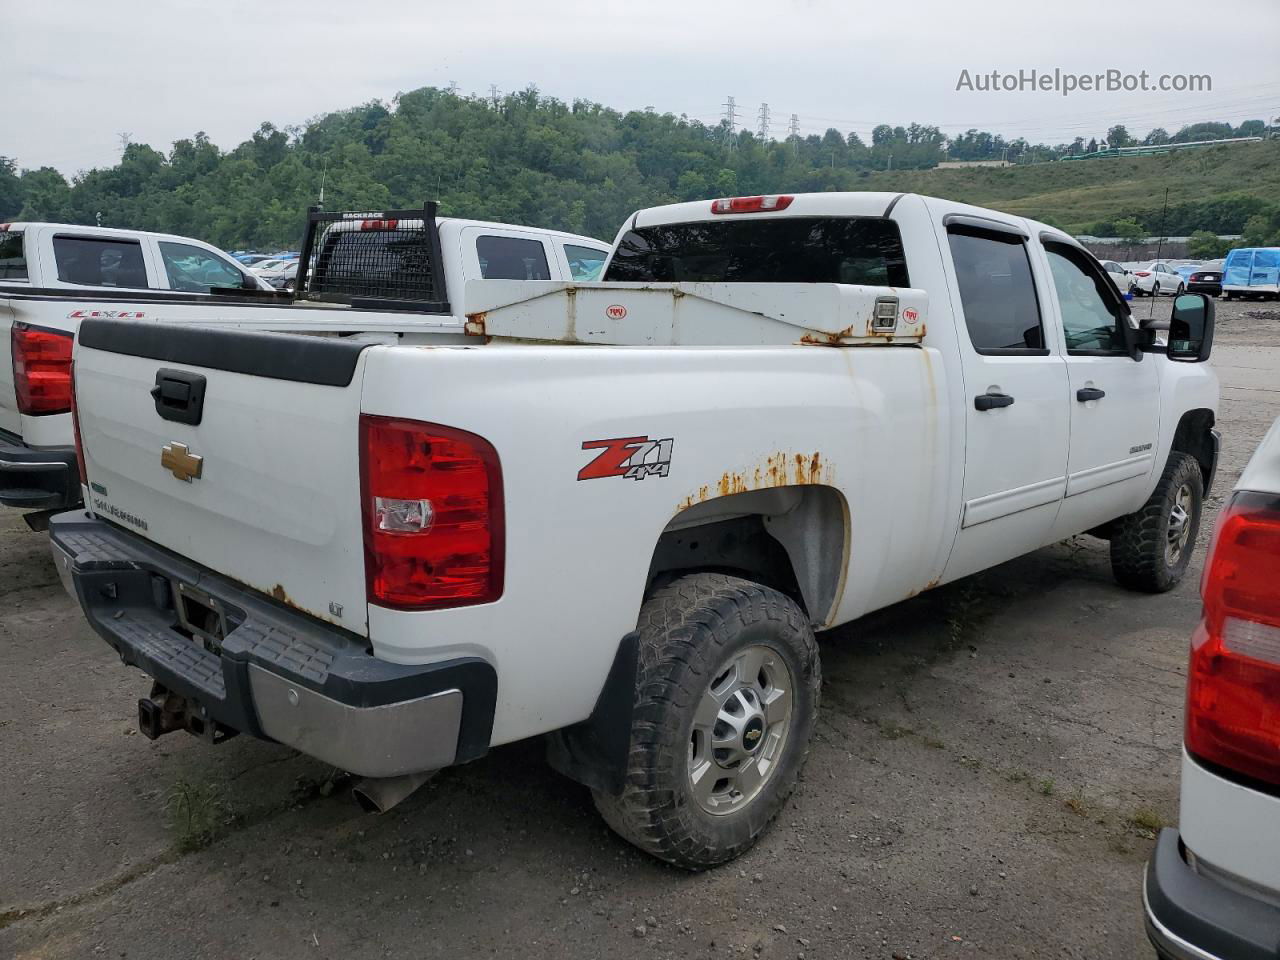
[(632, 457)]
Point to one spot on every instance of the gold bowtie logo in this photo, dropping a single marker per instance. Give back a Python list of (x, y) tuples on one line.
[(753, 735), (181, 462)]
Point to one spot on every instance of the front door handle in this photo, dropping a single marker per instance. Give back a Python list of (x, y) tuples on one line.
[(1085, 394), (989, 401)]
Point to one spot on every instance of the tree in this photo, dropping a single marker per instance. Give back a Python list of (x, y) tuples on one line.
[(1093, 146), (10, 189), (1118, 136), (1252, 128), (1206, 245), (1156, 138), (1129, 230)]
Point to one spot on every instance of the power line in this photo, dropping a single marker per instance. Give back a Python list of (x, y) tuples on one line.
[(763, 116)]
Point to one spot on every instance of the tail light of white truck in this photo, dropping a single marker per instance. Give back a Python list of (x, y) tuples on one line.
[(1233, 687), (433, 515), (41, 369)]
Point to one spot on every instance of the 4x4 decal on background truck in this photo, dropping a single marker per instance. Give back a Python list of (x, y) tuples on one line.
[(632, 457)]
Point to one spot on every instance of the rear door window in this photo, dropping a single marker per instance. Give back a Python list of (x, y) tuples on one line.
[(865, 250), (997, 292), (98, 262), (512, 258), (13, 260), (585, 263), (196, 270)]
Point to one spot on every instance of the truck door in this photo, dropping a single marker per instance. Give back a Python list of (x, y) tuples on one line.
[(1015, 384), (1114, 400)]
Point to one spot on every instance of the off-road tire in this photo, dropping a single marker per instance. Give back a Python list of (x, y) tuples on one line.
[(688, 630), (1139, 540)]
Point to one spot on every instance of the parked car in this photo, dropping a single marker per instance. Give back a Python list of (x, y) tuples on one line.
[(1119, 275), (1184, 270), (1156, 277), (1212, 886), (1206, 278), (1252, 272), (156, 278), (615, 512)]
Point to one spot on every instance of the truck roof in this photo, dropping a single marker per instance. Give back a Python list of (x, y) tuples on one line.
[(835, 204), (99, 231)]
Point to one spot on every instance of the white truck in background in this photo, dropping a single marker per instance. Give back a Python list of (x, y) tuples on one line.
[(615, 513), (53, 276)]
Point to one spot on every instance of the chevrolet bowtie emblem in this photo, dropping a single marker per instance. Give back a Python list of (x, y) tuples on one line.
[(181, 462)]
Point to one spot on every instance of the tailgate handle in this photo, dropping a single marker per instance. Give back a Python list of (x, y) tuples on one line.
[(179, 395)]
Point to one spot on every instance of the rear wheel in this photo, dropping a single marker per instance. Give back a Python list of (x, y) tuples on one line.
[(1150, 549), (1178, 292), (726, 701), (1155, 290)]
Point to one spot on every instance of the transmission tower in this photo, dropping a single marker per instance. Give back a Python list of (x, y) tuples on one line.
[(763, 116), (793, 134), (453, 87), (731, 116), (493, 93)]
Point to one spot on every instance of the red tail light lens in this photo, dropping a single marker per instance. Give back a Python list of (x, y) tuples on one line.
[(1142, 273), (41, 369), (433, 515), (1233, 686), (765, 204), (75, 430)]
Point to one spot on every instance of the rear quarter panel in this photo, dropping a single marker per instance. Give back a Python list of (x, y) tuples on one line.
[(869, 422)]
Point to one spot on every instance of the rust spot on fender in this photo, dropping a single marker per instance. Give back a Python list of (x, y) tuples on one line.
[(475, 324), (780, 469)]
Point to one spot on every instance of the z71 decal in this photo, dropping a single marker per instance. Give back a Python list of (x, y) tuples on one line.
[(631, 457)]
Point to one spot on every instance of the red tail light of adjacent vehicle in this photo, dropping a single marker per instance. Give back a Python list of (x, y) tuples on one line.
[(1233, 686), (433, 515), (766, 204), (1142, 273), (41, 369)]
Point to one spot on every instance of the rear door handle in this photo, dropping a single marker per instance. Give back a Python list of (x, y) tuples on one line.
[(1085, 394), (989, 401)]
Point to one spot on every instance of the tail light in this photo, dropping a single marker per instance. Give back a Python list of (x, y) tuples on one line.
[(751, 204), (1142, 273), (41, 369), (75, 431), (433, 515), (1233, 686)]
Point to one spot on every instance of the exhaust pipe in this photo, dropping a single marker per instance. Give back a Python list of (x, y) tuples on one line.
[(380, 794)]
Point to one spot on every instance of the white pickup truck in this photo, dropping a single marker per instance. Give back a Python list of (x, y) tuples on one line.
[(616, 512), (360, 264)]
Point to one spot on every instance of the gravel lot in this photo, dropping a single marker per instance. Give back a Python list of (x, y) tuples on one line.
[(991, 762)]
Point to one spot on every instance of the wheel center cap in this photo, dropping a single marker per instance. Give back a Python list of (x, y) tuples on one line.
[(752, 734)]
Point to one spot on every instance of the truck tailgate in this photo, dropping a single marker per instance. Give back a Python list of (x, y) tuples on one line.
[(251, 471)]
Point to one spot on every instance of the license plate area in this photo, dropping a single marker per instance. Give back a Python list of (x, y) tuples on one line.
[(204, 616)]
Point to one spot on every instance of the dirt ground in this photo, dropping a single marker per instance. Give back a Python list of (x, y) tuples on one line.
[(992, 760)]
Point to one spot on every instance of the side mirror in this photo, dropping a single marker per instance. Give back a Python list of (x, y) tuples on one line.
[(1191, 328)]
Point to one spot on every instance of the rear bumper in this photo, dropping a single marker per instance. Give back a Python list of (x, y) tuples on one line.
[(1214, 289), (276, 673), (1192, 917), (41, 479)]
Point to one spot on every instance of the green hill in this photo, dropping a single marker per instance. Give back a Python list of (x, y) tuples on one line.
[(1210, 188), (530, 159)]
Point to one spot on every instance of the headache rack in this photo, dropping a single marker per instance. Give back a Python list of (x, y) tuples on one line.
[(381, 260)]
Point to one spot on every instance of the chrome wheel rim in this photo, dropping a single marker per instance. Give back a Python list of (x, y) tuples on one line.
[(1179, 531), (740, 730)]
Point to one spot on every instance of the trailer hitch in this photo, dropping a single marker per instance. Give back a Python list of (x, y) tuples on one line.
[(165, 711)]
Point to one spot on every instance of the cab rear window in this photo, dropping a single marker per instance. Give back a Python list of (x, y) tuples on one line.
[(13, 261), (866, 250)]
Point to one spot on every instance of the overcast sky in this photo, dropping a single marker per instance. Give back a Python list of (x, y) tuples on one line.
[(83, 72)]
